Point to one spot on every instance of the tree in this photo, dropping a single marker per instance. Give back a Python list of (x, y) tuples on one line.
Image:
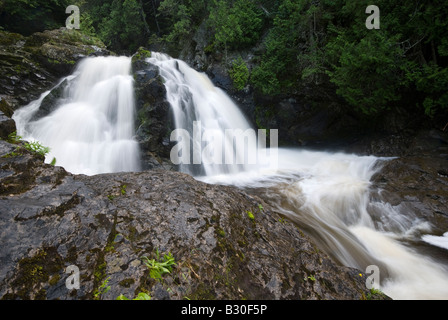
[(179, 18), (120, 24), (235, 24), (366, 73)]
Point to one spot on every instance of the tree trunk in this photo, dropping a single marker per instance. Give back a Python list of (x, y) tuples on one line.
[(155, 17), (142, 13)]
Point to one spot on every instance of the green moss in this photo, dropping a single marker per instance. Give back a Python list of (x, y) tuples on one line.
[(202, 292), (220, 232), (126, 282), (141, 53), (35, 271), (100, 273), (74, 36), (54, 280)]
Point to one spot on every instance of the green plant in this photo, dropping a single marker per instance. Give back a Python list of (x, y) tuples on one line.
[(123, 189), (14, 138), (239, 73), (311, 277), (375, 293), (159, 266), (140, 296), (11, 155), (250, 215), (103, 288), (36, 147)]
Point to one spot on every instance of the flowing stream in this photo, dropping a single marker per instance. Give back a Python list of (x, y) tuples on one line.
[(329, 195), (91, 130)]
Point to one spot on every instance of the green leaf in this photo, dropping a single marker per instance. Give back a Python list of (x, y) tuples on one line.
[(142, 296)]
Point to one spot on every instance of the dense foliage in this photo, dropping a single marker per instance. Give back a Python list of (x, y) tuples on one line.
[(304, 42)]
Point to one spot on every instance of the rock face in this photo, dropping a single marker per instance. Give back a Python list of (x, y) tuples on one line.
[(104, 225), (154, 122), (417, 183), (31, 65), (7, 126)]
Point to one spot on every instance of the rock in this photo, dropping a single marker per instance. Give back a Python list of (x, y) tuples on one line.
[(7, 126), (415, 185), (105, 224), (31, 65), (154, 121)]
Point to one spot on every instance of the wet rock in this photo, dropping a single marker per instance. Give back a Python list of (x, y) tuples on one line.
[(51, 101), (31, 65), (7, 126), (415, 185), (105, 224), (154, 121)]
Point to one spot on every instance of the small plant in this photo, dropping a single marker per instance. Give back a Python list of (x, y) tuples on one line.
[(11, 154), (312, 278), (123, 189), (375, 294), (140, 296), (251, 215), (159, 266), (36, 147), (103, 289), (14, 138)]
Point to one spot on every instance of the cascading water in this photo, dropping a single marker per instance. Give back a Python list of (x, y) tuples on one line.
[(327, 194), (91, 131), (210, 118)]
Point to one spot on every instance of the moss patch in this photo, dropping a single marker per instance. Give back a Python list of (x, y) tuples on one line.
[(36, 271), (141, 53)]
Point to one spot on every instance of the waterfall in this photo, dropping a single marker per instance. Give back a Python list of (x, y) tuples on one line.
[(327, 194), (221, 139), (91, 130)]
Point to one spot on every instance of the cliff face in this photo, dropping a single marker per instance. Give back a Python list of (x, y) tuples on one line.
[(32, 65), (105, 224)]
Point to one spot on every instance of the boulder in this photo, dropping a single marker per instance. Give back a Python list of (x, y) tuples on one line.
[(7, 126), (53, 222), (154, 121)]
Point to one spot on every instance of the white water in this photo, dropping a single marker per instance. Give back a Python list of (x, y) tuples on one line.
[(91, 131), (329, 195), (441, 241), (194, 98)]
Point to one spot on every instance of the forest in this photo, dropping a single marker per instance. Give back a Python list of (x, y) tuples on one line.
[(297, 43)]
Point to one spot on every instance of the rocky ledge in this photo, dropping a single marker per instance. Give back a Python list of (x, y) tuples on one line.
[(31, 65), (104, 225)]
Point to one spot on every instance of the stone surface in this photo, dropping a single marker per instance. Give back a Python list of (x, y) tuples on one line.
[(31, 65), (154, 121), (105, 224), (7, 126)]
